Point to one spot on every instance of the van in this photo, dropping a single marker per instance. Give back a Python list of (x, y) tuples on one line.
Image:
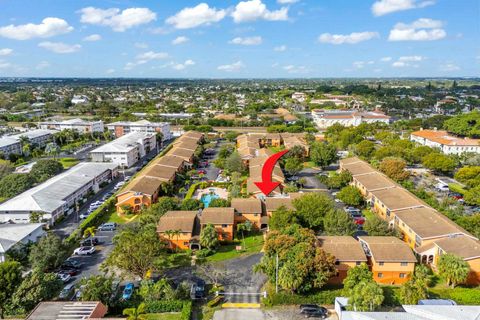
[(442, 186), (67, 292)]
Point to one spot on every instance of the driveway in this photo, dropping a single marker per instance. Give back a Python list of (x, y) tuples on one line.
[(312, 183)]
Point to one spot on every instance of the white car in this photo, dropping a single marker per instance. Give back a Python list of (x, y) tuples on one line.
[(85, 215), (84, 251), (65, 277)]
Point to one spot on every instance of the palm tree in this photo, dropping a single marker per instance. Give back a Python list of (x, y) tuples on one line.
[(52, 149), (137, 313), (176, 233), (89, 232), (169, 234), (453, 268)]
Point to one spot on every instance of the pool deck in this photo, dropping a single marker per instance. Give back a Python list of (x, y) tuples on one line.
[(220, 192)]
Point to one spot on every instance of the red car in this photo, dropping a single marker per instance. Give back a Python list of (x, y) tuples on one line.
[(202, 172), (359, 220)]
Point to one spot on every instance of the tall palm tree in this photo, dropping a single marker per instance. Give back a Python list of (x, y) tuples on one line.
[(176, 233), (169, 234), (137, 313)]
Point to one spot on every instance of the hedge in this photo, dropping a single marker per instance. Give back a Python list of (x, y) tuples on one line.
[(285, 298), (161, 306), (186, 310), (194, 187), (462, 296), (455, 187)]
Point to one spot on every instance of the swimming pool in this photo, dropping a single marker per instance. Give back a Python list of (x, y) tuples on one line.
[(207, 198)]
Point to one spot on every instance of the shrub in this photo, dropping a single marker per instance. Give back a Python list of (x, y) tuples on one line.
[(215, 301), (186, 310), (160, 306), (285, 298)]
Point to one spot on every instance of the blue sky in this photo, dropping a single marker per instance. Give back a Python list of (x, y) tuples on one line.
[(239, 39)]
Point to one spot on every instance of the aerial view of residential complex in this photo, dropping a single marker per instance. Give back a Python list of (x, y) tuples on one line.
[(240, 160)]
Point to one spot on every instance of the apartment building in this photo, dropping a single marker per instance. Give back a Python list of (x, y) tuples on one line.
[(387, 202), (126, 150), (447, 143), (17, 235), (77, 124), (9, 146), (223, 219), (348, 254), (38, 137), (272, 204), (390, 259), (324, 118), (248, 210), (59, 195), (121, 128), (179, 229)]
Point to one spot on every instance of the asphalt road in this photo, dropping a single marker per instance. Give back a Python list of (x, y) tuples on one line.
[(283, 313), (312, 183)]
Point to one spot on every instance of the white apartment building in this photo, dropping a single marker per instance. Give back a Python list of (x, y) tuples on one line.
[(77, 124), (299, 96), (348, 118), (126, 150), (37, 137), (447, 143), (15, 236), (123, 127), (10, 145), (79, 99), (57, 196)]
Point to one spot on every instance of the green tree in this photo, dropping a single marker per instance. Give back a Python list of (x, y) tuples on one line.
[(48, 253), (394, 168), (231, 135), (453, 268), (14, 184), (472, 196), (209, 237), (469, 175), (52, 149), (467, 124), (36, 287), (282, 218), (413, 290), (296, 151), (339, 223), (312, 207), (135, 250), (10, 279), (336, 180), (219, 203), (97, 288), (323, 153), (366, 296), (439, 162), (6, 167), (137, 313), (376, 226), (191, 204), (293, 166), (365, 149), (234, 163), (45, 169), (356, 275), (351, 196), (160, 290)]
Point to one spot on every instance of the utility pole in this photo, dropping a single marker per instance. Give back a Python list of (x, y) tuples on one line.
[(276, 273)]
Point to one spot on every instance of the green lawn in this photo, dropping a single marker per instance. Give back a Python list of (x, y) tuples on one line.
[(253, 244), (68, 162), (368, 214), (163, 316), (114, 217)]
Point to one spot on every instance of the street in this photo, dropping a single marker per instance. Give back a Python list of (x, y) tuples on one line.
[(278, 313)]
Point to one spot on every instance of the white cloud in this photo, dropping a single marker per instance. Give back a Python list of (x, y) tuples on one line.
[(5, 64), (42, 65), (110, 71), (449, 67), (236, 66), (281, 48), (93, 37), (423, 29), (180, 40), (386, 59), (5, 52), (354, 37), (362, 64), (255, 9), (192, 17), (406, 61), (287, 1), (295, 69), (118, 20), (382, 7), (247, 41), (141, 45), (49, 27), (146, 57), (60, 47), (183, 66)]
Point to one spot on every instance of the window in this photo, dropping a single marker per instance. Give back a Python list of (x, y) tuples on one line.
[(401, 275), (380, 275), (337, 262), (185, 243), (380, 263), (358, 263), (404, 264), (224, 225)]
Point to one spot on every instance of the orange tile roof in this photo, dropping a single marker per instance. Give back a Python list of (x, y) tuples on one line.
[(443, 137)]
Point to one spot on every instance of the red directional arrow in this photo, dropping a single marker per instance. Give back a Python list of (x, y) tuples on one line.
[(267, 185)]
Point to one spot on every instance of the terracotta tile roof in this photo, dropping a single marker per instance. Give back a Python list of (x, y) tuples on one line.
[(356, 167), (189, 144), (462, 246), (160, 172), (177, 220), (428, 223), (344, 248), (349, 160), (388, 249), (397, 198), (443, 137), (250, 205), (145, 185), (374, 181), (217, 216), (170, 161), (182, 153), (272, 204), (252, 187)]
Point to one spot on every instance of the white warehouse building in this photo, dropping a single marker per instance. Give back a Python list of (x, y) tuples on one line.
[(447, 143), (77, 124), (348, 118), (126, 150), (121, 128), (58, 196)]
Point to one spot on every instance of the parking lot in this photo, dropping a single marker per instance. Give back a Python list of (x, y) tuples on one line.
[(279, 313)]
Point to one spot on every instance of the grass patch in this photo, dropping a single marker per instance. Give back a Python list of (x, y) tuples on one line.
[(114, 217), (455, 187), (162, 316), (253, 244), (368, 214), (309, 164), (67, 163)]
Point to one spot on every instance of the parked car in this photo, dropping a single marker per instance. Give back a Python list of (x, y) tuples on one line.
[(202, 171), (90, 241), (78, 293), (456, 195), (85, 214), (67, 292), (84, 251), (128, 291), (72, 263), (315, 312), (197, 291), (70, 271), (65, 277), (108, 226)]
